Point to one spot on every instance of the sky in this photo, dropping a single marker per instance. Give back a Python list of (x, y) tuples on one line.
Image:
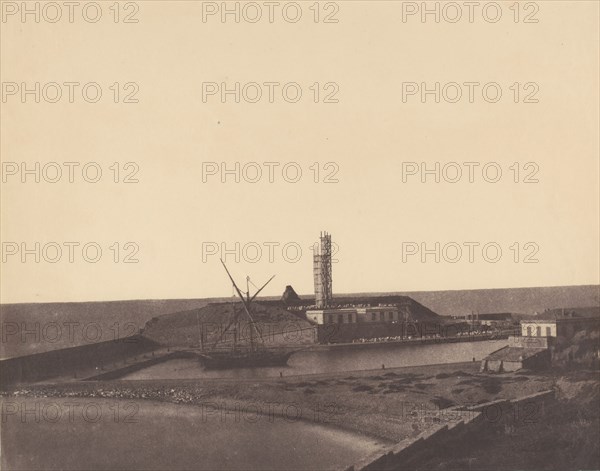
[(167, 205)]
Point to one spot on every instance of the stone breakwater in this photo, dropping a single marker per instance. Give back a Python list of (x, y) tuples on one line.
[(474, 419)]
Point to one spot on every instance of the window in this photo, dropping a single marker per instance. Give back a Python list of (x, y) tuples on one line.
[(528, 331), (382, 316), (391, 316), (548, 332), (340, 318), (331, 318), (373, 317), (538, 331), (349, 318)]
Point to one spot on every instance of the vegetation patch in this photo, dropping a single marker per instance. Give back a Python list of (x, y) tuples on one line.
[(302, 384), (492, 385)]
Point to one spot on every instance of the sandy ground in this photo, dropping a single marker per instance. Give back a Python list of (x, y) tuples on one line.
[(563, 435), (389, 404), (384, 406)]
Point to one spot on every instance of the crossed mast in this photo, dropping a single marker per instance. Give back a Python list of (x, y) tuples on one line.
[(246, 301)]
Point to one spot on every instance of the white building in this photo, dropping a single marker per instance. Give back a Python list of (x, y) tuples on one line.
[(538, 328), (563, 327), (354, 315), (332, 316), (378, 314)]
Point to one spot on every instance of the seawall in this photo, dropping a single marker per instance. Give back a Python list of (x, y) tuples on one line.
[(74, 363), (472, 420)]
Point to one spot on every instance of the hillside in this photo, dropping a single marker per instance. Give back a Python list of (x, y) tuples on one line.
[(38, 327), (185, 329), (513, 300), (516, 300)]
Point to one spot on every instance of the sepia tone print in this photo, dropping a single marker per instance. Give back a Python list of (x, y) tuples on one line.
[(299, 235)]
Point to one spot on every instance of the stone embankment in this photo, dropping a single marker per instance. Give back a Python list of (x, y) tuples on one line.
[(471, 420)]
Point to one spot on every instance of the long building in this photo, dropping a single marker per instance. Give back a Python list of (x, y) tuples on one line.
[(356, 315)]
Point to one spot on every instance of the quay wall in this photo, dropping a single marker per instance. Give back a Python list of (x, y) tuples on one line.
[(418, 331), (475, 419), (75, 362)]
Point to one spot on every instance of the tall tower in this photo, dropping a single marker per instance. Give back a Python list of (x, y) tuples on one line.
[(322, 271)]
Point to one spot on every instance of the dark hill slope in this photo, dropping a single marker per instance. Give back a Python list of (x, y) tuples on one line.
[(184, 329), (122, 318), (29, 328), (516, 300)]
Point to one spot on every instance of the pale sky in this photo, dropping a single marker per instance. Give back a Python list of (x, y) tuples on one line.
[(368, 135)]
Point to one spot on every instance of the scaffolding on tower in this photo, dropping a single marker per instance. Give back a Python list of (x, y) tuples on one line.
[(322, 272)]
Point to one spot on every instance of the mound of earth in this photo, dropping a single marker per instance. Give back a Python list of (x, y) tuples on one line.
[(290, 296), (32, 328), (208, 324), (581, 349)]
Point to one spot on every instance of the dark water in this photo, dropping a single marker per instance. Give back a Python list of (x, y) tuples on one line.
[(100, 434), (335, 360)]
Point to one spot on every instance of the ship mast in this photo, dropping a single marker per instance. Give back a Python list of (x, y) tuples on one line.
[(246, 301), (199, 331), (235, 326)]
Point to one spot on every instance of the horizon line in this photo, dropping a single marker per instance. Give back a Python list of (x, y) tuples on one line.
[(371, 293)]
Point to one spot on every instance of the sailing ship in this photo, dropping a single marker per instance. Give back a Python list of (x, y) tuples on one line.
[(248, 355)]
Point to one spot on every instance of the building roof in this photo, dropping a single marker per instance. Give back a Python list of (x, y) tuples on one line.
[(570, 313), (494, 316), (377, 308), (331, 310), (488, 316), (561, 320)]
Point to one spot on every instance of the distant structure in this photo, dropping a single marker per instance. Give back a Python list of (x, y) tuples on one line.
[(545, 341), (356, 315), (562, 327), (290, 296), (491, 319), (322, 272)]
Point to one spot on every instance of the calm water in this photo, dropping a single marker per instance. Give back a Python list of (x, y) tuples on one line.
[(335, 360), (118, 435)]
